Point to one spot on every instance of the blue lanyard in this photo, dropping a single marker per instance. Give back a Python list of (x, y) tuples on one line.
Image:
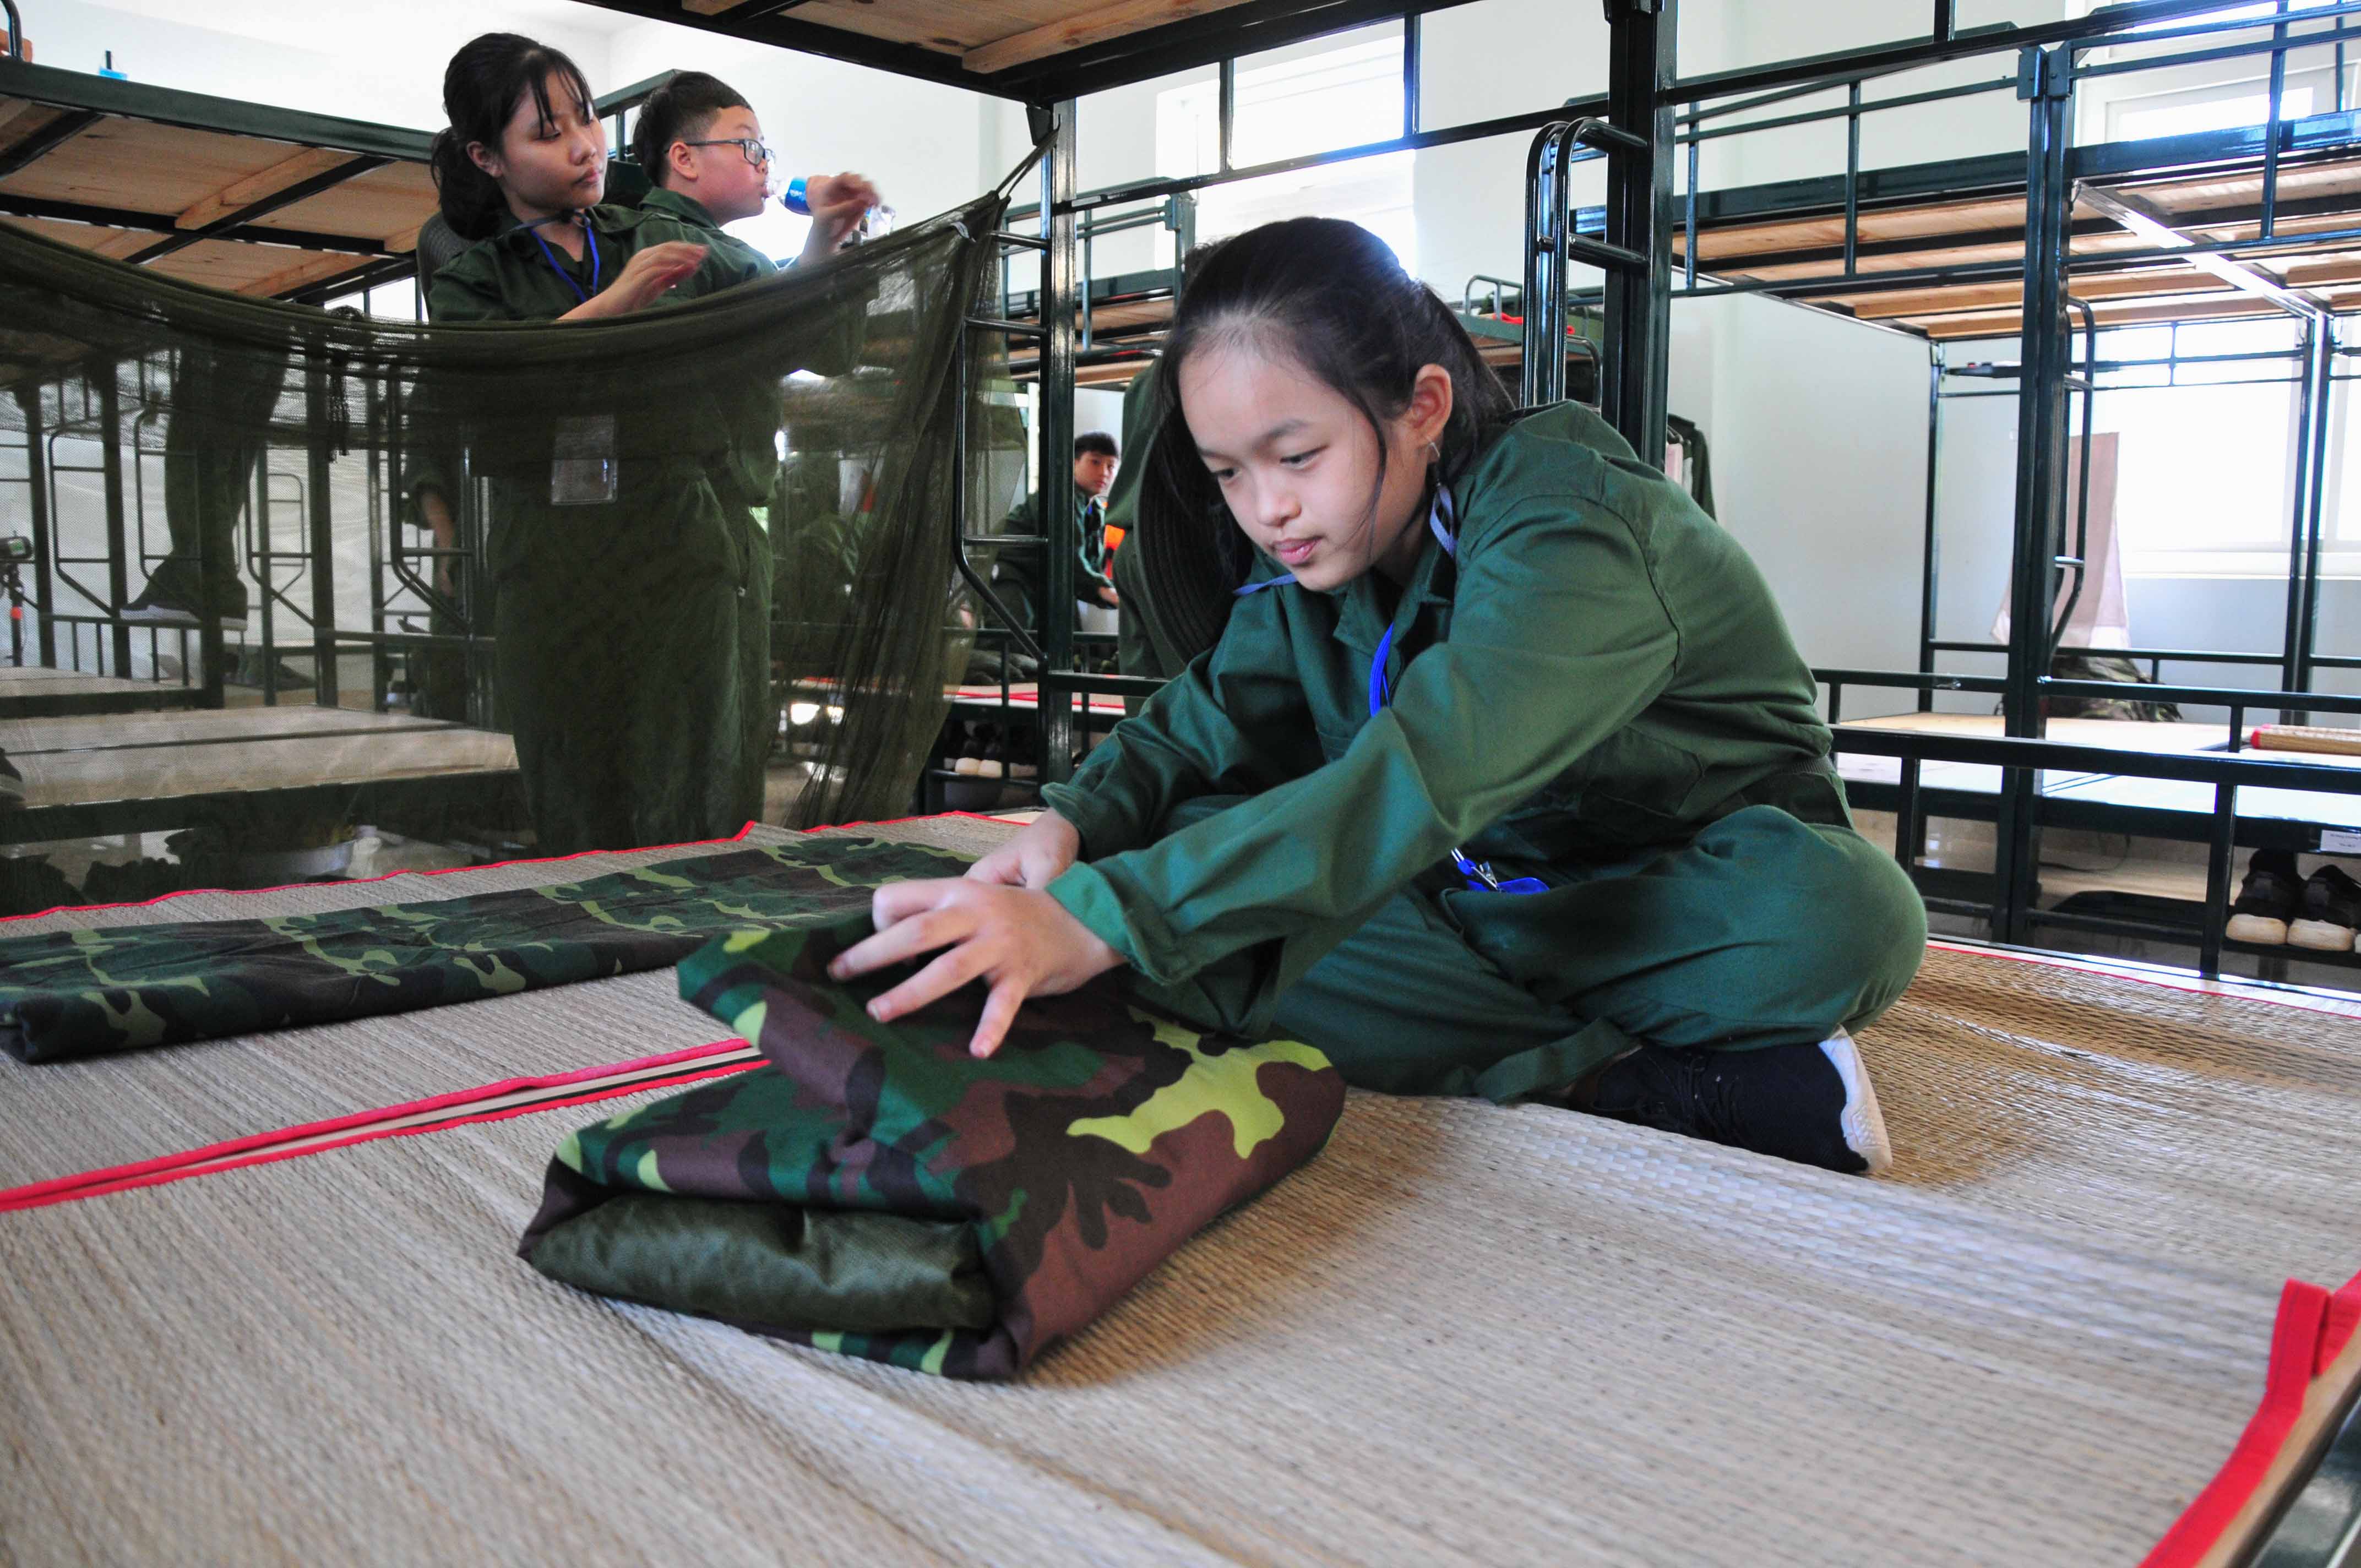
[(1477, 874), (590, 239)]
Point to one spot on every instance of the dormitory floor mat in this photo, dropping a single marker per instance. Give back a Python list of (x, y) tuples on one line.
[(1461, 1334)]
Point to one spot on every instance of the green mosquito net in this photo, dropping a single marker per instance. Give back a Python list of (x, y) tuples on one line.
[(284, 574)]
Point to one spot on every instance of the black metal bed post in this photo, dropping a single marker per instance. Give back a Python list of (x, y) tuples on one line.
[(2045, 83), (1931, 557), (29, 398), (1547, 223), (211, 568), (321, 531), (1413, 50), (1640, 76), (2322, 348), (118, 545), (384, 538), (1058, 522), (2309, 408)]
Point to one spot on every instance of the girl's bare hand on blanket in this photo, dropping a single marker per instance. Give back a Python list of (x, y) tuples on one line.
[(1019, 942), (1034, 858)]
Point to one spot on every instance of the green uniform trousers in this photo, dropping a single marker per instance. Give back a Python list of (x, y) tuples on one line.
[(642, 710), (1764, 930), (221, 405)]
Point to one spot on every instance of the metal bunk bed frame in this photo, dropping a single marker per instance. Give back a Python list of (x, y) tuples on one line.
[(2048, 61)]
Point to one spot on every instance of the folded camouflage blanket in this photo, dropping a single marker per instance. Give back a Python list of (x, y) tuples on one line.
[(76, 993), (874, 1189)]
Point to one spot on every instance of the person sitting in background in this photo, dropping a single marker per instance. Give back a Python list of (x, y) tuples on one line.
[(1021, 576)]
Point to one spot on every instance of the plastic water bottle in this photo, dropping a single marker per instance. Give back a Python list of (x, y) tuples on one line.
[(788, 193)]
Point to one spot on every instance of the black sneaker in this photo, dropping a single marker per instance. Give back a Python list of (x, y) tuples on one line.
[(2332, 908), (12, 784), (1811, 1104), (970, 757), (2267, 900), (174, 598)]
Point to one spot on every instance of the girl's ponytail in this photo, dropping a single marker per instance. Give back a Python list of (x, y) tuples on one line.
[(471, 199)]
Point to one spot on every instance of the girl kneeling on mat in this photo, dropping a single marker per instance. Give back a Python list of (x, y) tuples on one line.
[(1504, 777)]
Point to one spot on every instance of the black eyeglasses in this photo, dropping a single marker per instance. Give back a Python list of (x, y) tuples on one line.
[(757, 153)]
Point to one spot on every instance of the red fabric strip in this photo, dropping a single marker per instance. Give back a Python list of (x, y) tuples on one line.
[(2296, 1358), (272, 1156), (83, 1184)]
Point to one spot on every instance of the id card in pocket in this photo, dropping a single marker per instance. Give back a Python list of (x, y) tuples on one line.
[(582, 462)]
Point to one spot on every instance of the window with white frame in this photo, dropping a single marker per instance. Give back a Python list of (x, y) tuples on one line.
[(2208, 95), (2206, 455), (1339, 98)]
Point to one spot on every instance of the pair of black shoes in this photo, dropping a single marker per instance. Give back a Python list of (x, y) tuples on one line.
[(1812, 1102), (986, 754), (2277, 905)]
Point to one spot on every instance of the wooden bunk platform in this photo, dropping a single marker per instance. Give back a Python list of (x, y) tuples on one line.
[(153, 772), (32, 691), (235, 196), (1969, 215)]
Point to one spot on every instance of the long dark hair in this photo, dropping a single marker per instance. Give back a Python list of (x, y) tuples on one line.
[(1331, 296), (485, 81)]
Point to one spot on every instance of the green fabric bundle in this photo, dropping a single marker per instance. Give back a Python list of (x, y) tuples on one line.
[(874, 1189), (78, 994)]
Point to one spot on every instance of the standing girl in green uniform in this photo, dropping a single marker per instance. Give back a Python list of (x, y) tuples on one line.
[(1504, 777), (631, 574)]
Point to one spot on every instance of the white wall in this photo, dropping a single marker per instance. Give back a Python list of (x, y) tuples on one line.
[(379, 61)]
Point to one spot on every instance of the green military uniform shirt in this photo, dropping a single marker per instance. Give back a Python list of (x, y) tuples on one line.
[(507, 277), (1598, 670), (633, 633)]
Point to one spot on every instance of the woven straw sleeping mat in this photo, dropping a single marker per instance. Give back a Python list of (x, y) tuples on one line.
[(1463, 1334)]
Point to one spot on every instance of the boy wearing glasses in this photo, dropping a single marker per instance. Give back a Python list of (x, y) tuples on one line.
[(703, 148)]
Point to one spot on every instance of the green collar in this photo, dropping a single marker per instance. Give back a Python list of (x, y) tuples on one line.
[(604, 219), (1362, 621), (687, 209)]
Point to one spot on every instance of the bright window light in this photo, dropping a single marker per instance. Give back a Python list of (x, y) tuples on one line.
[(2210, 115), (1341, 97)]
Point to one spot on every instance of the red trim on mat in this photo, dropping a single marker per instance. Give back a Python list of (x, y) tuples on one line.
[(739, 837), (2312, 1329), (2195, 985), (366, 1125)]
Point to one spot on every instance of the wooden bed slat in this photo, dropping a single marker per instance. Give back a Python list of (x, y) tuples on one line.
[(1096, 25), (254, 188)]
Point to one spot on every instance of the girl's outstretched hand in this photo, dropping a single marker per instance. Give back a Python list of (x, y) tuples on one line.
[(1020, 942), (1035, 857), (646, 278)]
